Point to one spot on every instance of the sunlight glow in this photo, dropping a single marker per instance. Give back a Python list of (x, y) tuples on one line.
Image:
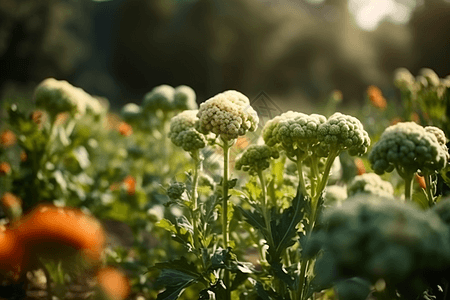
[(369, 14)]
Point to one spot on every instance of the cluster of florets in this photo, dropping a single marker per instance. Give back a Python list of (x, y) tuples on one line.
[(227, 115), (374, 238), (343, 132), (183, 133), (57, 96), (297, 131), (335, 195), (256, 158), (293, 130), (167, 99), (370, 183), (409, 148), (131, 113), (427, 87)]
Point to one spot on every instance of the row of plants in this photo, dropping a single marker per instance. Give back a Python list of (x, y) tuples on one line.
[(224, 205)]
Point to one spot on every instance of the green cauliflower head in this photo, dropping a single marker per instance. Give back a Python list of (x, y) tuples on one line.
[(183, 133), (293, 130), (57, 96), (184, 98), (409, 148), (343, 132), (131, 112), (370, 183), (167, 98), (227, 115), (256, 158)]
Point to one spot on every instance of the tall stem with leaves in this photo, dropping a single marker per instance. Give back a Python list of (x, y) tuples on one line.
[(226, 157)]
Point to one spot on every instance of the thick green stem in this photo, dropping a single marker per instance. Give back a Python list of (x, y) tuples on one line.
[(315, 207), (194, 194), (430, 195), (301, 178), (408, 186), (226, 156), (266, 212)]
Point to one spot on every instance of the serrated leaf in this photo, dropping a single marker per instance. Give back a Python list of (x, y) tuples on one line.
[(262, 293), (284, 226), (254, 218), (176, 276), (167, 225)]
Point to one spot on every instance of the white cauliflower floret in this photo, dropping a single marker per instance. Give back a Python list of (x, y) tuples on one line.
[(57, 96), (370, 183), (183, 134), (227, 115)]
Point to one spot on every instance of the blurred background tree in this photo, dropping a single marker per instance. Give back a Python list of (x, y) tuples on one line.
[(295, 51)]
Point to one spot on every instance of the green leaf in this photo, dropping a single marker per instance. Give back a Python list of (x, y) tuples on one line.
[(255, 219), (284, 226), (176, 276), (353, 289)]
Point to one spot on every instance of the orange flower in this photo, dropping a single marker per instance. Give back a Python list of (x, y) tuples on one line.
[(51, 229), (125, 129), (113, 283), (38, 117), (114, 186), (130, 184), (415, 117), (61, 118), (7, 138), (5, 168), (242, 142), (360, 168), (10, 200), (23, 156), (376, 97), (421, 181), (13, 260), (396, 120)]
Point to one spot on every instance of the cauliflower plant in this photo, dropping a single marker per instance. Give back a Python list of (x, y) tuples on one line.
[(168, 99), (57, 96), (227, 115), (293, 131), (374, 238), (370, 183), (342, 132), (409, 148), (256, 158), (183, 133)]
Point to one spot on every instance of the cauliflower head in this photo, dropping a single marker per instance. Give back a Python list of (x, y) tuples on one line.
[(167, 98), (131, 112), (183, 133), (370, 183), (256, 158), (227, 115), (335, 195), (409, 148), (57, 96), (343, 132), (161, 97), (293, 130), (373, 237), (184, 98)]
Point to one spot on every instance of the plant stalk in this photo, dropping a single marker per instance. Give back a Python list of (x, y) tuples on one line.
[(194, 195), (301, 178), (429, 193), (226, 157), (266, 212)]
